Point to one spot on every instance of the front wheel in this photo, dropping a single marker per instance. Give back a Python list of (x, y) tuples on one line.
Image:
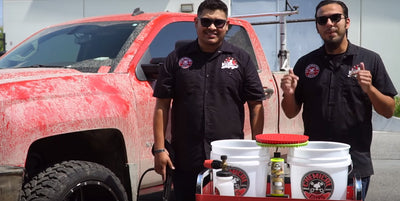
[(75, 181)]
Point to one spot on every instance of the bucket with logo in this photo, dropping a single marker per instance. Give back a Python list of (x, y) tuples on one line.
[(247, 161), (319, 170)]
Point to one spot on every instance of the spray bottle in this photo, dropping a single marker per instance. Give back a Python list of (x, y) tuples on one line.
[(224, 180)]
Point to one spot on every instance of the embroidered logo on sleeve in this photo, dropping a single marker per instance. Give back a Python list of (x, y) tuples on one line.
[(185, 62), (230, 63), (312, 70)]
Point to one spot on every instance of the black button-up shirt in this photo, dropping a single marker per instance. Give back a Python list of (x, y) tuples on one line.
[(208, 92), (334, 106)]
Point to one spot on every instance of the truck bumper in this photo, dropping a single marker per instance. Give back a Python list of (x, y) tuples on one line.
[(11, 183)]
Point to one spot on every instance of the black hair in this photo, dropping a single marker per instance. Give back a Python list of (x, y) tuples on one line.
[(212, 5), (326, 2)]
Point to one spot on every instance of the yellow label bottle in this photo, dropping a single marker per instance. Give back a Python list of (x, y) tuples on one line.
[(277, 175)]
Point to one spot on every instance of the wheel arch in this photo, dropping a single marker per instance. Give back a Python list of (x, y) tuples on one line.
[(103, 146)]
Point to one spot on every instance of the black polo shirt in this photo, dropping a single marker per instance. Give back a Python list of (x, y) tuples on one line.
[(334, 106), (208, 92)]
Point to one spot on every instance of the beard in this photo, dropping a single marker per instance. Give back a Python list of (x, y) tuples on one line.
[(334, 43)]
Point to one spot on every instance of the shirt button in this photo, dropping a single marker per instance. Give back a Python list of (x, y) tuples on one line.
[(207, 75)]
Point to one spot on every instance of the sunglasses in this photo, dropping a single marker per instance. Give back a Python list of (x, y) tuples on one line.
[(324, 19), (206, 22)]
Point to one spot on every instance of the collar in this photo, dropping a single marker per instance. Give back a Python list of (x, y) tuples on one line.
[(224, 48), (351, 50)]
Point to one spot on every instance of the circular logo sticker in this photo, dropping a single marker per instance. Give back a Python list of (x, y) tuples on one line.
[(185, 62), (317, 185), (312, 70), (241, 181)]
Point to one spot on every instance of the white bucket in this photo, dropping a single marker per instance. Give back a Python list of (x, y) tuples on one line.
[(319, 170), (249, 164)]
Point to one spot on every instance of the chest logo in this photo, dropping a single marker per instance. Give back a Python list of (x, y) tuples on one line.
[(317, 185), (185, 62), (353, 71), (312, 70), (230, 63)]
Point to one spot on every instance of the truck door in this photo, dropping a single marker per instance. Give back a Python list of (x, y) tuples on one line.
[(245, 37)]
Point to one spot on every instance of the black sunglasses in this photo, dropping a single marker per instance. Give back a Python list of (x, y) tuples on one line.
[(206, 22), (324, 19)]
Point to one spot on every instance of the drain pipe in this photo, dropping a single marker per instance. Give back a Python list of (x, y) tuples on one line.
[(283, 54)]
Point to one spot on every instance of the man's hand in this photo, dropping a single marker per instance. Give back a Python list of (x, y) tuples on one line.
[(289, 83), (364, 78), (161, 160)]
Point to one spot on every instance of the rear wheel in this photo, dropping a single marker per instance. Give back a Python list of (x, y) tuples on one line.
[(75, 181)]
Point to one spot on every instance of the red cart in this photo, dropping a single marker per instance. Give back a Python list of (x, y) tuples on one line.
[(204, 191)]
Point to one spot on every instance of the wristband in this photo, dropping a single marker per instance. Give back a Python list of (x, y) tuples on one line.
[(158, 151)]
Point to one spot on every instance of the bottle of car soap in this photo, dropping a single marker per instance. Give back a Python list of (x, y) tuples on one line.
[(277, 175)]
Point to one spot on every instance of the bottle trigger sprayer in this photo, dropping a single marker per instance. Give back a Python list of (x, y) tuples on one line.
[(224, 180)]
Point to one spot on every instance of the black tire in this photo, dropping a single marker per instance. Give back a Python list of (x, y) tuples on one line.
[(75, 181)]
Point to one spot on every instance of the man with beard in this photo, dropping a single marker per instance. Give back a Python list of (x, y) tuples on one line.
[(209, 81), (337, 85)]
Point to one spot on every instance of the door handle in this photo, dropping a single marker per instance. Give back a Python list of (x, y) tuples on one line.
[(268, 92)]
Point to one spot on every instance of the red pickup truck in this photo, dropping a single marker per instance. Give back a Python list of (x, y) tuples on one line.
[(76, 104)]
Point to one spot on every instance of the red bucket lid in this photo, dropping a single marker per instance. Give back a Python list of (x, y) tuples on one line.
[(282, 139)]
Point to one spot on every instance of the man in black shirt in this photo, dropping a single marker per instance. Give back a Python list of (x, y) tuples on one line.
[(337, 85), (209, 81)]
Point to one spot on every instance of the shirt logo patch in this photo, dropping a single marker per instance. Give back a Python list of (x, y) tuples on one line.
[(230, 63), (185, 62), (312, 71), (353, 71)]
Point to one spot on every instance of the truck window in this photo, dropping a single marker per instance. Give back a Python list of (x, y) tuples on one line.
[(84, 47), (166, 41), (238, 36)]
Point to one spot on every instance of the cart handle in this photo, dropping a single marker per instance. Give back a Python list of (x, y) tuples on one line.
[(203, 176)]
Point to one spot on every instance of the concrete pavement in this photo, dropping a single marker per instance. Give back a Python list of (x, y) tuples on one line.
[(385, 182), (385, 150)]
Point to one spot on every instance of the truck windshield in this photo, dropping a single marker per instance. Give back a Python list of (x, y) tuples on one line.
[(84, 47)]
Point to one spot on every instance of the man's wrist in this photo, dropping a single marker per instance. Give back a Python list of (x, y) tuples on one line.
[(157, 151), (287, 95)]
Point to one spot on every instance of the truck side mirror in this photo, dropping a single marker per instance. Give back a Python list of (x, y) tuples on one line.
[(151, 70)]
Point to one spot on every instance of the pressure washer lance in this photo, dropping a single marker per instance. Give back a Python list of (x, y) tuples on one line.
[(277, 175), (224, 178)]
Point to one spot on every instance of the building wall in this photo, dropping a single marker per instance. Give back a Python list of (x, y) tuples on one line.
[(373, 23)]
